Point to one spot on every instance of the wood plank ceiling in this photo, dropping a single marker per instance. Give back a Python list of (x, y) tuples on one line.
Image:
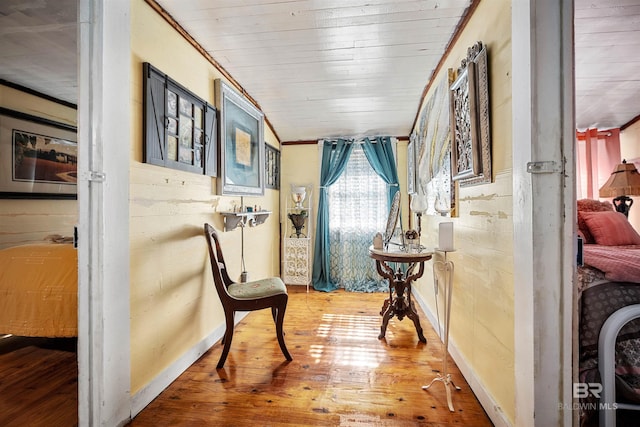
[(326, 68), (607, 62), (322, 68)]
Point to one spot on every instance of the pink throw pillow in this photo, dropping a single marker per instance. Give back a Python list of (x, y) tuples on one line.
[(611, 228)]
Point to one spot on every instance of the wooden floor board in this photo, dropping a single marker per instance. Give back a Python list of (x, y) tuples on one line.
[(38, 382), (341, 373)]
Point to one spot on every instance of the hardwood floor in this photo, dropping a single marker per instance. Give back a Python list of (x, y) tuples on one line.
[(38, 382), (341, 374)]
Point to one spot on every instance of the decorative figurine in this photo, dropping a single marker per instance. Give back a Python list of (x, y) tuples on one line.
[(377, 241)]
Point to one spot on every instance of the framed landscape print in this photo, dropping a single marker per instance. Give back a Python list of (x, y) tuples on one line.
[(242, 147), (38, 157)]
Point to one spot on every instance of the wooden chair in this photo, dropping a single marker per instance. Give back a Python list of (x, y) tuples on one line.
[(256, 295)]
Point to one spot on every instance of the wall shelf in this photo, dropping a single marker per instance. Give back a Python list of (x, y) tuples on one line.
[(233, 220)]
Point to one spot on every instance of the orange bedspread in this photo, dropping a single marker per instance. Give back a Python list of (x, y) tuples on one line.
[(39, 290)]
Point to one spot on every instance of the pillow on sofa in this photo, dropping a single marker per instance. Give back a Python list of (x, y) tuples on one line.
[(611, 228), (590, 205)]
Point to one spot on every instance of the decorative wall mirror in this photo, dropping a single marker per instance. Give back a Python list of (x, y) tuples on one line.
[(392, 220)]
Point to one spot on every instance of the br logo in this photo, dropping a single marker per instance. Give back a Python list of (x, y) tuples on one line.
[(582, 390)]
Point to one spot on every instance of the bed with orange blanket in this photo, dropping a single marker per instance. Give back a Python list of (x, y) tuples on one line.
[(39, 290)]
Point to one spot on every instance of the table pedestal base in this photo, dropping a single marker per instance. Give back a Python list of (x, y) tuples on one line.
[(400, 308), (399, 303)]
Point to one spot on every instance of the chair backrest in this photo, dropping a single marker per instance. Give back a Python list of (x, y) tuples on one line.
[(218, 267)]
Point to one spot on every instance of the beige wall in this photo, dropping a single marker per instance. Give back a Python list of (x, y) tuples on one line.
[(630, 149), (300, 165), (173, 300), (24, 221), (482, 316)]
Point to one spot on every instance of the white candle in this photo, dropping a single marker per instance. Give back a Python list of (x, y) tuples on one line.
[(445, 236)]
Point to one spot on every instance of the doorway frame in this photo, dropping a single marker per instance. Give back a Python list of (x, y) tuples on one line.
[(104, 107), (543, 210)]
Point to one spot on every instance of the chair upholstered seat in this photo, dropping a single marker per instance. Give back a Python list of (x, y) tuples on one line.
[(258, 288)]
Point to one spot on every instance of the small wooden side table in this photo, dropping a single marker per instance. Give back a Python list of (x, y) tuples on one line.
[(399, 303)]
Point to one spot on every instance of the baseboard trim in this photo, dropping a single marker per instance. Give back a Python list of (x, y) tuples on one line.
[(493, 410), (145, 395)]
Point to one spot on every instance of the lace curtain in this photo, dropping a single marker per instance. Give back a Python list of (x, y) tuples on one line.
[(357, 211)]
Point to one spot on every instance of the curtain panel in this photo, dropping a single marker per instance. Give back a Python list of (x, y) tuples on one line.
[(334, 160), (597, 155)]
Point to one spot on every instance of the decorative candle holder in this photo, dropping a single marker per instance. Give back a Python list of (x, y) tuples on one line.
[(298, 221), (298, 194)]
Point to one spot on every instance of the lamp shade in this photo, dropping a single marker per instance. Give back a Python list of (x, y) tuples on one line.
[(418, 203), (624, 181)]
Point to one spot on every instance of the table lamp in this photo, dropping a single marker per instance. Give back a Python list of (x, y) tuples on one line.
[(419, 206), (623, 182)]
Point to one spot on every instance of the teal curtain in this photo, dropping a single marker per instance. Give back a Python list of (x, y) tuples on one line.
[(335, 155), (381, 159)]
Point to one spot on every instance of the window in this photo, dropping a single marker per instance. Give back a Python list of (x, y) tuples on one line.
[(357, 211), (179, 127)]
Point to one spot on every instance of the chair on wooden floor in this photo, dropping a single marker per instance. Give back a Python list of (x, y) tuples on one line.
[(256, 295)]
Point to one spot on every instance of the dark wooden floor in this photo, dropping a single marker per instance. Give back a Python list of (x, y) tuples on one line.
[(38, 382), (341, 375)]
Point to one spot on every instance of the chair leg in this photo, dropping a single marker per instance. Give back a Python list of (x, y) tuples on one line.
[(281, 308), (228, 336)]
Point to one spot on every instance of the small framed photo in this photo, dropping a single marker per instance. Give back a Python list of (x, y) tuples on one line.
[(272, 165), (38, 157), (241, 140)]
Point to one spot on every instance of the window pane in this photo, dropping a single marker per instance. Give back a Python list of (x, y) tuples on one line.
[(185, 107), (186, 135), (197, 136), (172, 103), (172, 126), (358, 199), (198, 156), (186, 155), (197, 116), (172, 148)]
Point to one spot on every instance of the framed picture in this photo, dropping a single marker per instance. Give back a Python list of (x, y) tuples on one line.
[(433, 152), (471, 131), (242, 148), (179, 128), (38, 157), (272, 167), (464, 123), (411, 164)]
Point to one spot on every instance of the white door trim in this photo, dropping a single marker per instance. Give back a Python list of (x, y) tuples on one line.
[(104, 106), (543, 129)]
